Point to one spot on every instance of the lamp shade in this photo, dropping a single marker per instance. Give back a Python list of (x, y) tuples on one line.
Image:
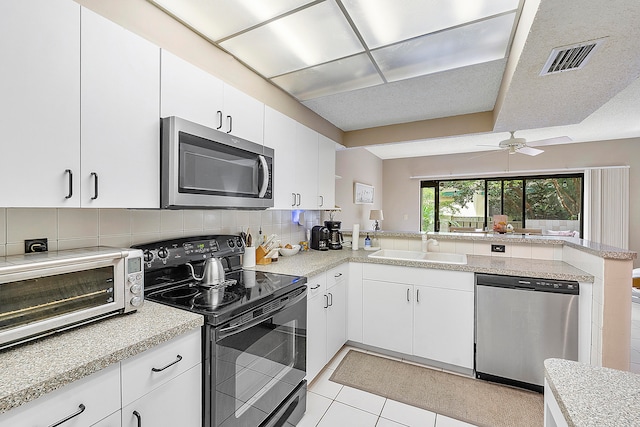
[(376, 214)]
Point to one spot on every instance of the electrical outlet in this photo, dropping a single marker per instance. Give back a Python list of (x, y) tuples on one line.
[(36, 245), (498, 248)]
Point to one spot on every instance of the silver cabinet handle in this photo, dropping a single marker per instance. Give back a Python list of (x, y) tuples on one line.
[(178, 358), (95, 185), (326, 301), (70, 176), (408, 295), (138, 418), (299, 198), (330, 299), (230, 121), (417, 295), (80, 410), (338, 275), (219, 113), (294, 199), (315, 287), (321, 201)]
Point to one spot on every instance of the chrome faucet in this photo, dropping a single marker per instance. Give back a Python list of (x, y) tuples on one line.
[(426, 241)]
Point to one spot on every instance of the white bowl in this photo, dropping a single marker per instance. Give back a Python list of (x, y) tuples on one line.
[(289, 252)]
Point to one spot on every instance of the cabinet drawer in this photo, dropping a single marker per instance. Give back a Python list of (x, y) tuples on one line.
[(337, 275), (153, 368), (98, 394), (316, 285), (460, 280)]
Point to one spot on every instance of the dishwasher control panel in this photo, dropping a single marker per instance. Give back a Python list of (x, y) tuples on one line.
[(528, 283)]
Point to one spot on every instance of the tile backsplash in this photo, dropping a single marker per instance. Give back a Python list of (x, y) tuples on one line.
[(76, 228)]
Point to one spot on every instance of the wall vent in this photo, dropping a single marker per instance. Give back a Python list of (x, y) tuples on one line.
[(570, 57)]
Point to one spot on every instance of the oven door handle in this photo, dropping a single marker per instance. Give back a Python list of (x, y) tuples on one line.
[(232, 330)]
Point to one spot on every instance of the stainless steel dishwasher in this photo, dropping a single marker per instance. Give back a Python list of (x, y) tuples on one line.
[(520, 322)]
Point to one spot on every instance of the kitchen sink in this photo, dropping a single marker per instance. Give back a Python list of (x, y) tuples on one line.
[(440, 257)]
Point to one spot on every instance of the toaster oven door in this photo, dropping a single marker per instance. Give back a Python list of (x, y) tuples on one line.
[(39, 302)]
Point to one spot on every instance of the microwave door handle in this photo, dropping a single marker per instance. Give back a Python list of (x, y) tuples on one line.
[(265, 176)]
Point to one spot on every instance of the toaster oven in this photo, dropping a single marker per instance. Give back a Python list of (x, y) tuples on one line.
[(43, 293)]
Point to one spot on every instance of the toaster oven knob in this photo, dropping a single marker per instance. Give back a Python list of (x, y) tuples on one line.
[(135, 289), (136, 301)]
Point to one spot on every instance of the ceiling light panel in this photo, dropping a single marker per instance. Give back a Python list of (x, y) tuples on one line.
[(382, 22), (355, 72), (459, 47), (309, 37), (216, 19)]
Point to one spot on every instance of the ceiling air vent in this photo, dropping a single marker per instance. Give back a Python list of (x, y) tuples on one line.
[(570, 57)]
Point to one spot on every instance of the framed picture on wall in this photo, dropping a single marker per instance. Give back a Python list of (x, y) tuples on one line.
[(362, 194)]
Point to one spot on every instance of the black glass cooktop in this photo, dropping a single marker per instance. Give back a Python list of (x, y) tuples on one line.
[(247, 289)]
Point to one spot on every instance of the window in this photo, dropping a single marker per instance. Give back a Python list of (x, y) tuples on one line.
[(547, 203)]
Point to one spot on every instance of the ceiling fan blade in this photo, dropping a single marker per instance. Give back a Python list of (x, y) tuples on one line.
[(549, 141), (529, 151)]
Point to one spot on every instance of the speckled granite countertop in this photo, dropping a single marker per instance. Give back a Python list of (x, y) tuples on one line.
[(34, 369), (315, 262), (593, 396), (603, 251)]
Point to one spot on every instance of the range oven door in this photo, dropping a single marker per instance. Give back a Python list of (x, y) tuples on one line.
[(257, 362), (203, 167)]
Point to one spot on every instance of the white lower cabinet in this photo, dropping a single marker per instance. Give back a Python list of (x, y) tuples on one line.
[(159, 407), (153, 384), (85, 402), (326, 317), (420, 312)]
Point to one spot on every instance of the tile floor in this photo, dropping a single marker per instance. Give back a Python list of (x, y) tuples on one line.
[(330, 404)]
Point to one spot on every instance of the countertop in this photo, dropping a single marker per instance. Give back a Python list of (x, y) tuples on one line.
[(314, 262), (34, 369), (594, 396), (598, 249)]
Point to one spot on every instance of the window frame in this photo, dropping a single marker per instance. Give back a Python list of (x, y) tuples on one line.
[(436, 184)]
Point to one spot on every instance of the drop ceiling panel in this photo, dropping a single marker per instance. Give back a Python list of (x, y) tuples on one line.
[(309, 37), (382, 22), (347, 74), (437, 95), (471, 44), (216, 19)]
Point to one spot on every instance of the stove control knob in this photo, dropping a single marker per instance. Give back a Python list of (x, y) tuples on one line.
[(136, 301), (163, 252), (231, 243), (135, 289), (148, 255)]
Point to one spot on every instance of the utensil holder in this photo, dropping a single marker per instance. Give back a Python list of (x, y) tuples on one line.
[(249, 257)]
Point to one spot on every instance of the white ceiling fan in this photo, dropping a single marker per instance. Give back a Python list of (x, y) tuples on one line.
[(520, 145)]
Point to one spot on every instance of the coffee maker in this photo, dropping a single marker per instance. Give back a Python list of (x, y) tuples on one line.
[(335, 235), (319, 238)]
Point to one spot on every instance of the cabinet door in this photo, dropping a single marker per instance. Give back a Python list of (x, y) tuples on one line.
[(113, 420), (354, 296), (443, 325), (317, 303), (280, 134), (120, 124), (176, 403), (39, 105), (336, 318), (387, 315), (326, 173), (190, 92), (306, 178), (89, 399), (243, 115)]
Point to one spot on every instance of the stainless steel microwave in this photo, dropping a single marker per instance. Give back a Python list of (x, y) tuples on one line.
[(205, 168), (43, 293)]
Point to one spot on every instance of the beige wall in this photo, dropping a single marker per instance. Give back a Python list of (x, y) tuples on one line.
[(358, 165)]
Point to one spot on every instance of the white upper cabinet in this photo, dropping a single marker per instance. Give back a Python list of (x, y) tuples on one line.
[(120, 101), (39, 105), (190, 92), (306, 149), (280, 134), (326, 173), (193, 94)]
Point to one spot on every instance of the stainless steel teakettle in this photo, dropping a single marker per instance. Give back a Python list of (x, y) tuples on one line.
[(213, 272)]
